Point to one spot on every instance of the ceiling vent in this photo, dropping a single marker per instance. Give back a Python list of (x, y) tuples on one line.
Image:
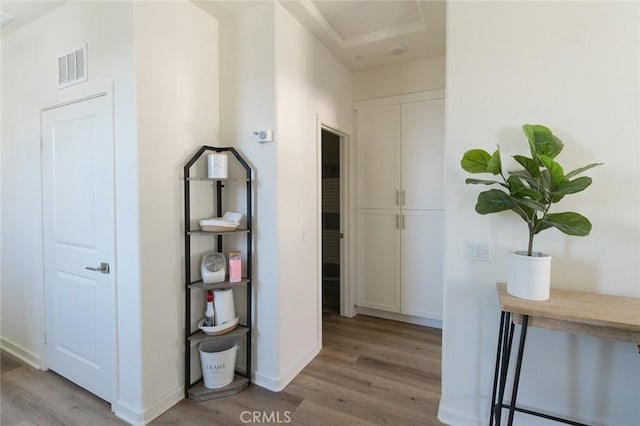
[(72, 68)]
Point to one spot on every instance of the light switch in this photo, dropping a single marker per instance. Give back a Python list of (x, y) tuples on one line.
[(478, 251)]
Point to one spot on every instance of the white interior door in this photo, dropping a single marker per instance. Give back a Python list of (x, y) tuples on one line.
[(422, 262), (379, 260), (78, 207), (423, 154)]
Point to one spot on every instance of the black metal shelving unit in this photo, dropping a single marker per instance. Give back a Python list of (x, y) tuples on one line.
[(197, 390)]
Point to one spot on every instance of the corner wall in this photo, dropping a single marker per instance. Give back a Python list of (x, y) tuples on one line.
[(575, 67), (311, 86), (176, 75)]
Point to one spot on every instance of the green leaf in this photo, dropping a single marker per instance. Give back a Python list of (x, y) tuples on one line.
[(528, 202), (516, 187), (582, 169), (542, 141), (475, 161), (495, 165), (481, 181), (556, 171), (570, 223), (493, 201), (529, 164), (573, 186), (540, 226), (526, 176)]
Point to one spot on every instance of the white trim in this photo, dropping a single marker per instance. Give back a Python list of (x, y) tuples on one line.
[(164, 404), (278, 384), (400, 99), (411, 319), (130, 415), (346, 197), (21, 353), (451, 417)]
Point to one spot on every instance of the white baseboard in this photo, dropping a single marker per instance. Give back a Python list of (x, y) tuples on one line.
[(21, 353), (278, 384), (427, 322), (142, 417), (453, 418)]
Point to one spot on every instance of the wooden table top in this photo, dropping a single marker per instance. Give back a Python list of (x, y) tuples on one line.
[(592, 309)]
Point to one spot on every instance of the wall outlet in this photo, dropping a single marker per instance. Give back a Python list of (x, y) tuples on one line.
[(478, 251)]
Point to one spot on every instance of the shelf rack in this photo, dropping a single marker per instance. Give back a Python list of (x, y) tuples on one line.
[(197, 390)]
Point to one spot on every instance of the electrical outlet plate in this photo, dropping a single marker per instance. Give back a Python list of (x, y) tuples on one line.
[(478, 251)]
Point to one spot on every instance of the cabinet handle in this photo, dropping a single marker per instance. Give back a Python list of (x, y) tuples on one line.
[(397, 197), (397, 221), (403, 197), (403, 216)]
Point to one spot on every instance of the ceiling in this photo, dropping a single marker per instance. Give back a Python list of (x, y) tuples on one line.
[(24, 11), (359, 33)]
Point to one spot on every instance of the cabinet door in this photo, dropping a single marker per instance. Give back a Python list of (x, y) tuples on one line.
[(379, 260), (422, 151), (422, 263), (378, 157)]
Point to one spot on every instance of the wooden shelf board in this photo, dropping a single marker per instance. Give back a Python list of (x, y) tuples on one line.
[(218, 286), (200, 336), (201, 393)]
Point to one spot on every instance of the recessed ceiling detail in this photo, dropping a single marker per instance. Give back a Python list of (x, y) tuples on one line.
[(347, 21), (352, 29)]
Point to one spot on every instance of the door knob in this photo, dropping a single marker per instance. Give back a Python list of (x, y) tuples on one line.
[(103, 268)]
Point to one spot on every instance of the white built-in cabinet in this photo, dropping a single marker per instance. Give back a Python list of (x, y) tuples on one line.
[(400, 157)]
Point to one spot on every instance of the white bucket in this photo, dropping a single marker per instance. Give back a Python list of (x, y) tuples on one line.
[(218, 361), (529, 277)]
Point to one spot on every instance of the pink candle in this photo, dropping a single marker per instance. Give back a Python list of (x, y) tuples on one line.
[(235, 267)]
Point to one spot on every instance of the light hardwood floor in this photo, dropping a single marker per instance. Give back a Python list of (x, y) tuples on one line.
[(370, 371)]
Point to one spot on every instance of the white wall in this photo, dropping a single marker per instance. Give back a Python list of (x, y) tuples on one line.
[(399, 79), (573, 66), (29, 82), (310, 84), (176, 75), (247, 104), (275, 75)]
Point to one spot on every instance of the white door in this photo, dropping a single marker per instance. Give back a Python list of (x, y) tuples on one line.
[(422, 263), (379, 260), (379, 157), (423, 154), (78, 207)]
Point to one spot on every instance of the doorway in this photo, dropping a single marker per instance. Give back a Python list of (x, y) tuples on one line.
[(331, 222), (79, 242)]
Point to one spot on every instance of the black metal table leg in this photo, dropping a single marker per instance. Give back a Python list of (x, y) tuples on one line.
[(516, 379), (496, 373), (504, 368)]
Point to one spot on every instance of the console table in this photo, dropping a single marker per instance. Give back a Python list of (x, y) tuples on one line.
[(599, 315)]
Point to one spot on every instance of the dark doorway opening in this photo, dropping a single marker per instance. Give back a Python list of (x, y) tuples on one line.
[(331, 233)]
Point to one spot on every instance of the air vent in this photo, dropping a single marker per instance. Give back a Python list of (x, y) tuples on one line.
[(72, 68)]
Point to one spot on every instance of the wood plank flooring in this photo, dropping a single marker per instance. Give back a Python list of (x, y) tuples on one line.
[(370, 371)]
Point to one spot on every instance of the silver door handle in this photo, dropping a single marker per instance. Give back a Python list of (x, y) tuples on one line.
[(403, 221), (103, 268), (403, 197), (397, 198), (397, 221)]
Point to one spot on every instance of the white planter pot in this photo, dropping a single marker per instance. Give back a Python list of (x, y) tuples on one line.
[(529, 277)]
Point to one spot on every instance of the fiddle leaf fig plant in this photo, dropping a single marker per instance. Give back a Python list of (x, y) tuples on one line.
[(532, 191)]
